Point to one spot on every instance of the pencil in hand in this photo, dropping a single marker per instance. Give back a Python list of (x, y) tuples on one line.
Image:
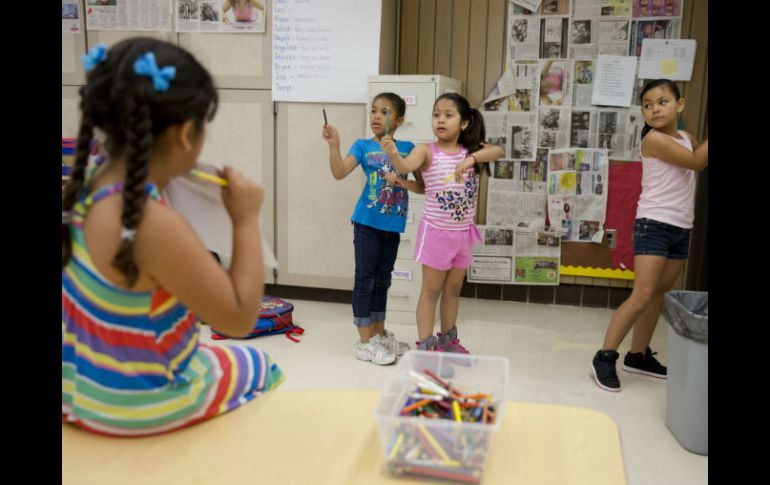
[(208, 177)]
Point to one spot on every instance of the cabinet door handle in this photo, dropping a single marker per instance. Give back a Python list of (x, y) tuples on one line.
[(398, 296)]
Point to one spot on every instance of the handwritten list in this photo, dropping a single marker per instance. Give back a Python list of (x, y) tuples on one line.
[(324, 50)]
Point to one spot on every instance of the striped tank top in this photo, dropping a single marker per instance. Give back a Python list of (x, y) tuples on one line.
[(448, 204), (131, 361)]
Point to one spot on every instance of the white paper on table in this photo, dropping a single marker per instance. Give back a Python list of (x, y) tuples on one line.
[(200, 202), (614, 80), (667, 58)]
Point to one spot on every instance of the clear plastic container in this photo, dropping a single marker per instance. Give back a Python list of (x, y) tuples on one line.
[(440, 448)]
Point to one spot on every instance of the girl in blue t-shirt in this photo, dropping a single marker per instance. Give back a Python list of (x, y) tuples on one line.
[(378, 219)]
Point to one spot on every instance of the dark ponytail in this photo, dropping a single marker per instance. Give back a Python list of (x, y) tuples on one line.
[(667, 83), (474, 134), (131, 112), (77, 178)]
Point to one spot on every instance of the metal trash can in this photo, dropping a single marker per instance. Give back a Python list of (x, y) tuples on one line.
[(687, 395)]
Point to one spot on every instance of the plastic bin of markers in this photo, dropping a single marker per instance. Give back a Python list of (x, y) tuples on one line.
[(440, 447)]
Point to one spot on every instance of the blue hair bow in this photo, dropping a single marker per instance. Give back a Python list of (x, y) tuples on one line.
[(146, 66), (95, 56)]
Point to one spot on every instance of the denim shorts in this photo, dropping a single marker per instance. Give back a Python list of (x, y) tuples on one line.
[(654, 238)]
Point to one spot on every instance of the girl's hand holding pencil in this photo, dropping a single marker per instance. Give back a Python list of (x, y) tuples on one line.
[(331, 135), (388, 145), (242, 196)]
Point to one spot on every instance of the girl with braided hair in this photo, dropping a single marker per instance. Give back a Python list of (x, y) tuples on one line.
[(136, 280)]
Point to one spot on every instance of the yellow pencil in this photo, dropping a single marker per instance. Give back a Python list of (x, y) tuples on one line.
[(456, 409), (208, 177)]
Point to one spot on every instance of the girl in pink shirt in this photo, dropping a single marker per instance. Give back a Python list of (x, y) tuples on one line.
[(664, 218), (449, 168)]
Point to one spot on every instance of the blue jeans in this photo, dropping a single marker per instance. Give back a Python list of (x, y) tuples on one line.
[(654, 238), (376, 252)]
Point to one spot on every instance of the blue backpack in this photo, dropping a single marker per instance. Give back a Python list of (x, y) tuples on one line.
[(275, 316)]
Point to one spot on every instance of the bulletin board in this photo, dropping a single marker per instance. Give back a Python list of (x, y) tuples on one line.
[(599, 260)]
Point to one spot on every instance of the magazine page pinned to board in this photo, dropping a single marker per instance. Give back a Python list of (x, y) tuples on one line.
[(200, 202)]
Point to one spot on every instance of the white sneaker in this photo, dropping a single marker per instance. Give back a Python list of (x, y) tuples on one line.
[(391, 343), (374, 352)]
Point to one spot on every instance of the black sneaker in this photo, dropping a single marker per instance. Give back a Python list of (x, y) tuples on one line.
[(603, 368), (644, 363)]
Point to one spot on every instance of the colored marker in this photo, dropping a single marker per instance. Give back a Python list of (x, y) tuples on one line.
[(208, 177), (326, 122)]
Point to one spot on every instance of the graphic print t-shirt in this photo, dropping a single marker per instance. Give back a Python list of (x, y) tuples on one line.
[(381, 205)]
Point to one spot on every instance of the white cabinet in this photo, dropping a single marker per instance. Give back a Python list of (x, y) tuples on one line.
[(419, 92)]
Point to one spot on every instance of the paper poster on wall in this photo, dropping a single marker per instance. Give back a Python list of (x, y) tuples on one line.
[(516, 256), (70, 17), (667, 58), (614, 81), (325, 51), (577, 193), (154, 15), (231, 16)]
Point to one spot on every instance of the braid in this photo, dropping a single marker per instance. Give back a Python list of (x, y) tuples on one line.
[(77, 179), (138, 141)]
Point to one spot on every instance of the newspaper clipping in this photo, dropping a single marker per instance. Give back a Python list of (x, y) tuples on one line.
[(516, 256), (656, 8), (230, 16), (553, 37), (529, 6), (70, 17), (652, 29), (516, 90), (153, 15), (583, 82), (554, 82), (516, 194), (577, 193), (554, 127), (523, 37)]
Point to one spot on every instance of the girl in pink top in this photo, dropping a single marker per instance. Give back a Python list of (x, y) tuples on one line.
[(446, 234), (661, 232), (243, 10)]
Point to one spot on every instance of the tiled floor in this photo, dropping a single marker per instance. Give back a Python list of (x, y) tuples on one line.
[(549, 347)]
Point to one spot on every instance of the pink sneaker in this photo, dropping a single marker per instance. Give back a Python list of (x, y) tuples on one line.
[(448, 342)]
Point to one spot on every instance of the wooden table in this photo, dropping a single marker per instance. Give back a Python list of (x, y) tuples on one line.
[(330, 437)]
